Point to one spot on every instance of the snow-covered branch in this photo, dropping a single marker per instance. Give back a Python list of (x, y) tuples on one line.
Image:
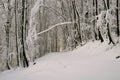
[(51, 27)]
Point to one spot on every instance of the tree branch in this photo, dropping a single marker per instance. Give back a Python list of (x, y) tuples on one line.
[(51, 27)]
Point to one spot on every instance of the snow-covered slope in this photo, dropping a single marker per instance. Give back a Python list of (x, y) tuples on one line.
[(94, 61)]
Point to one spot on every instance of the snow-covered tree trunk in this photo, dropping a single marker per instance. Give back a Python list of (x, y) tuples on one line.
[(76, 28), (7, 29), (32, 37), (16, 33)]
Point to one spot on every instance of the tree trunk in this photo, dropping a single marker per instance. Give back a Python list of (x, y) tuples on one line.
[(99, 32), (117, 16), (7, 29), (109, 34), (100, 36), (94, 33), (105, 7), (96, 2), (96, 13), (76, 27), (108, 6), (108, 27), (23, 53), (16, 32)]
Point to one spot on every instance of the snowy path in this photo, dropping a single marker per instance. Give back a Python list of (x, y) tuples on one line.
[(94, 61)]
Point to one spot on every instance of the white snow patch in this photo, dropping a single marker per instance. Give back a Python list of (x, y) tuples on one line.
[(94, 61)]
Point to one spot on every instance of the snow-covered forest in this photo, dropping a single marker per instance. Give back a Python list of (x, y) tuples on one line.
[(32, 29)]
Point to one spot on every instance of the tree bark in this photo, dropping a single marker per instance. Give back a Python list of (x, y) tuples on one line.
[(109, 34), (76, 26), (96, 2), (117, 16), (108, 26), (100, 36), (7, 29), (23, 52), (105, 7), (95, 34), (16, 32), (99, 31)]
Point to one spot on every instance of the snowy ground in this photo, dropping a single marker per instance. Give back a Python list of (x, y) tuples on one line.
[(94, 61)]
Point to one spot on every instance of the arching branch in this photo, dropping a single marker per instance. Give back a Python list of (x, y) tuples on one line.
[(51, 27)]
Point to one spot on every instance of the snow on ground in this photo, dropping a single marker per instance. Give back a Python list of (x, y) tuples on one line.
[(94, 61)]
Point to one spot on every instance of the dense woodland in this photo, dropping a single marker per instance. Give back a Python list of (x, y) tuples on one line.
[(30, 29)]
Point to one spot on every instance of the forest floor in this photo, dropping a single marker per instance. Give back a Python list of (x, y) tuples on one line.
[(93, 61)]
